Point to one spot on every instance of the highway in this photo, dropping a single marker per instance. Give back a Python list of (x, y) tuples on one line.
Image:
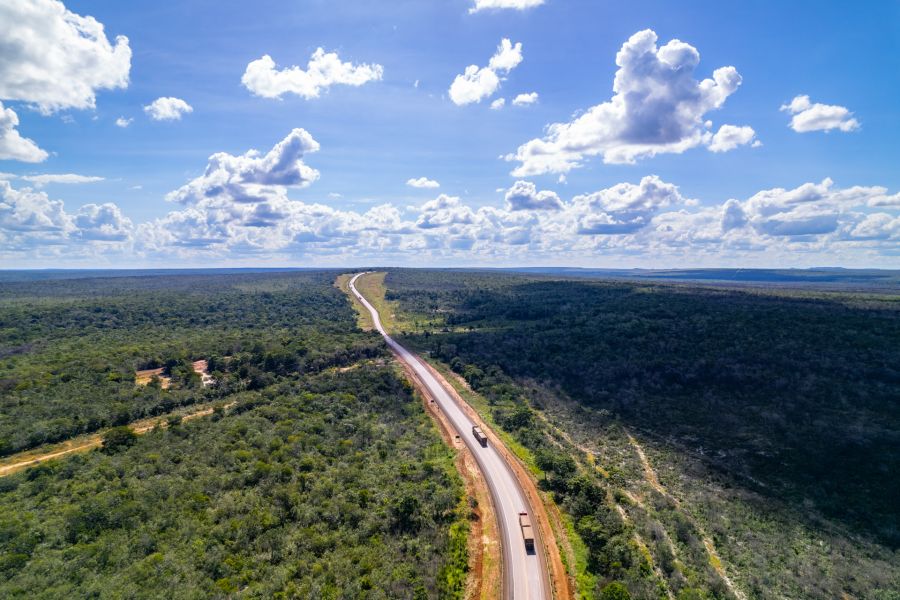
[(524, 574)]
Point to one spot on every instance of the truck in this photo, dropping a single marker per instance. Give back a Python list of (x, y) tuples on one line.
[(479, 435), (527, 531)]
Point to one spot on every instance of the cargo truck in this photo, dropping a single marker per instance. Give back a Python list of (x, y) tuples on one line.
[(479, 435), (527, 532)]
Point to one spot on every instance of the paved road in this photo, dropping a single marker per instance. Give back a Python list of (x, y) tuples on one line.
[(524, 574)]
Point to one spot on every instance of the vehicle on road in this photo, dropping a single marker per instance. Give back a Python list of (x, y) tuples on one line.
[(479, 435), (524, 571), (527, 531)]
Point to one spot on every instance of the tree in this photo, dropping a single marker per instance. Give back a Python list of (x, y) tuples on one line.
[(118, 438), (615, 591)]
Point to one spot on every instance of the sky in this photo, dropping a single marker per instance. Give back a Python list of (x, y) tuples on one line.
[(449, 133)]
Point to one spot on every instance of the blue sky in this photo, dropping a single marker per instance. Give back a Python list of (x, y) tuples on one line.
[(635, 184)]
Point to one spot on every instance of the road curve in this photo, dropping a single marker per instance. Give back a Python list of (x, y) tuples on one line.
[(524, 574)]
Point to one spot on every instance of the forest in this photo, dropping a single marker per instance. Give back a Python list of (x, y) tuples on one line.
[(762, 407), (317, 475), (69, 349)]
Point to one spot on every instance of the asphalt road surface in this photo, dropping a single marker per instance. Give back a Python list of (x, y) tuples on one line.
[(524, 573)]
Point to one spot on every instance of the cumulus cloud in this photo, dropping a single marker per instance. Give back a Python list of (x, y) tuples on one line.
[(253, 177), (12, 145), (54, 59), (44, 179), (123, 122), (884, 199), (729, 137), (810, 209), (323, 70), (507, 57), (167, 109), (423, 182), (819, 117), (444, 211), (502, 4), (657, 107), (26, 211), (34, 227), (103, 222), (525, 99), (649, 220), (625, 207), (523, 195), (878, 226), (477, 83), (498, 103)]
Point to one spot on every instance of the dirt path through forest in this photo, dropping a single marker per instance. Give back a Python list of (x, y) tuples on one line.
[(18, 462)]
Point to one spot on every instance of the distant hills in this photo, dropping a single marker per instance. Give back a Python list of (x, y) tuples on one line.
[(878, 278), (836, 277)]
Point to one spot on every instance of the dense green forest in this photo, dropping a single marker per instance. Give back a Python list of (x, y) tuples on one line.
[(322, 478), (774, 416), (69, 349)]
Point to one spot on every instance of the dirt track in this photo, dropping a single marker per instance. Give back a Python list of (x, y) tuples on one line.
[(23, 460)]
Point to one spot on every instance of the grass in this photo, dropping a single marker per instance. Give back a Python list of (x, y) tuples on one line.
[(363, 318)]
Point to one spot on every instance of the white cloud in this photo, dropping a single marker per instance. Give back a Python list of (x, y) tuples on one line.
[(444, 211), (478, 83), (819, 117), (730, 137), (44, 179), (885, 200), (523, 195), (649, 222), (878, 226), (501, 4), (53, 58), (507, 57), (12, 145), (810, 209), (498, 103), (657, 107), (252, 177), (103, 222), (423, 182), (167, 109), (34, 227), (625, 207), (29, 212), (525, 99), (323, 70), (123, 122)]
